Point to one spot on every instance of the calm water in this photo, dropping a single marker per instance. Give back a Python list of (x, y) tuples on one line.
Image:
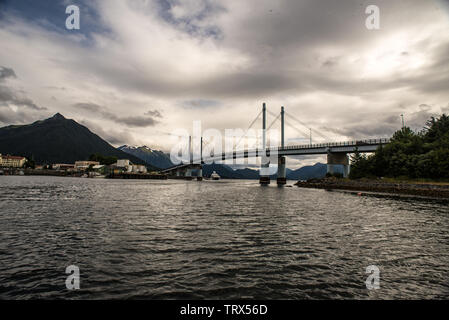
[(216, 240)]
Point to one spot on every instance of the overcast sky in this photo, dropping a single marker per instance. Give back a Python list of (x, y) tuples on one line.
[(139, 69)]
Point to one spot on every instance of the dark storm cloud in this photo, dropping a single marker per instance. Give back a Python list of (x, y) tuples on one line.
[(89, 107), (291, 24), (153, 113), (385, 125), (112, 136), (205, 54), (193, 17), (200, 104), (10, 117), (11, 97), (6, 73), (286, 43), (131, 121), (137, 121)]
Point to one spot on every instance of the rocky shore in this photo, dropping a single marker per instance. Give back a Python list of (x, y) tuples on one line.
[(417, 189)]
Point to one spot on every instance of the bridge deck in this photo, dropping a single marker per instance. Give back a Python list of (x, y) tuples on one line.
[(362, 146)]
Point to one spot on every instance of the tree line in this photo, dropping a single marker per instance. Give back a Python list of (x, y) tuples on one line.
[(409, 155)]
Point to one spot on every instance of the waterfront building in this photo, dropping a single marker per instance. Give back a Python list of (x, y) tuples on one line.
[(63, 166), (139, 168), (126, 166), (12, 161), (101, 169), (123, 163), (84, 165)]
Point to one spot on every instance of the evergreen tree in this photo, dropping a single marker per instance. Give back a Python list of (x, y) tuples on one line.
[(409, 154)]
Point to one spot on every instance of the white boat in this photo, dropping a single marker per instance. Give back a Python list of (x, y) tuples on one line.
[(214, 176)]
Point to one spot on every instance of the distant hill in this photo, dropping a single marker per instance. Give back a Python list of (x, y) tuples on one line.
[(318, 170), (152, 157), (248, 173), (56, 140), (224, 171)]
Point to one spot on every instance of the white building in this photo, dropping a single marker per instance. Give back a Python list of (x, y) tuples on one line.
[(138, 168), (123, 163), (84, 165), (127, 166)]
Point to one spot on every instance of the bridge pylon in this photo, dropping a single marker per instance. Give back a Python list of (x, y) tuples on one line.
[(265, 161), (199, 177), (282, 174)]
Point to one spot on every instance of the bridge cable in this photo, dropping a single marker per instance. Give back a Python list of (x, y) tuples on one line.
[(289, 123), (305, 125), (305, 135), (252, 123), (275, 119), (273, 122)]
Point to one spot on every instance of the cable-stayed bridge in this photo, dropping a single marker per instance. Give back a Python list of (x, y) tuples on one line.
[(337, 152)]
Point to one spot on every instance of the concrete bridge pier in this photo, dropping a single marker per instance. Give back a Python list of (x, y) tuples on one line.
[(281, 176), (334, 159), (264, 175), (188, 173), (264, 180), (199, 177)]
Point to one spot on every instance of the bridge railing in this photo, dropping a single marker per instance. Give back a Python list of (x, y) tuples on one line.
[(335, 144), (296, 147), (311, 146)]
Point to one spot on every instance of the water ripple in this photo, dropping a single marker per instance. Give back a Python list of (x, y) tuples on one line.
[(221, 240)]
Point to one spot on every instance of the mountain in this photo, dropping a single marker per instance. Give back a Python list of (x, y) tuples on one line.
[(224, 171), (152, 157), (248, 173), (56, 140), (318, 170)]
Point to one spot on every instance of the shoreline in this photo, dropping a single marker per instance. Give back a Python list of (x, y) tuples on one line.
[(433, 190)]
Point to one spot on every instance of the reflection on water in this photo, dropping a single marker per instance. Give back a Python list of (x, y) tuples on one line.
[(216, 240)]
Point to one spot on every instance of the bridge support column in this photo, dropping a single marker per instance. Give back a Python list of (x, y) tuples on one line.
[(188, 174), (265, 167), (334, 159), (199, 177), (264, 180), (281, 177), (346, 170)]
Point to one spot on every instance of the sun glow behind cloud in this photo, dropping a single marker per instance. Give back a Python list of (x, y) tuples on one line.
[(392, 56)]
